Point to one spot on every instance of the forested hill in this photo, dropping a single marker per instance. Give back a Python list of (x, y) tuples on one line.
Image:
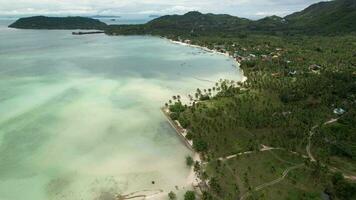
[(197, 22), (42, 22), (333, 17)]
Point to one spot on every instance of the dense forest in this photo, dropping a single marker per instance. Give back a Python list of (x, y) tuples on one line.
[(299, 97), (288, 131)]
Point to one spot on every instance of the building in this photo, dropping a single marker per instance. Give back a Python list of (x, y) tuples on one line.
[(292, 73), (339, 111), (187, 41), (314, 67)]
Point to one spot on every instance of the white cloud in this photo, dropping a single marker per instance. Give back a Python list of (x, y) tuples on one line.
[(243, 8)]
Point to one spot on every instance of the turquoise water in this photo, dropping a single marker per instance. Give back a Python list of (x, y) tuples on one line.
[(80, 118)]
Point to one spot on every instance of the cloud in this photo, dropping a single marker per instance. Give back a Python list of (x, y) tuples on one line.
[(243, 8)]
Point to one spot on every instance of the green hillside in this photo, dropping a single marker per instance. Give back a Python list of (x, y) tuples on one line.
[(333, 17), (196, 22), (325, 18), (330, 17), (42, 22)]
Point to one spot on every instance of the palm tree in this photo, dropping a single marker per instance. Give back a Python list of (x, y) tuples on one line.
[(198, 91)]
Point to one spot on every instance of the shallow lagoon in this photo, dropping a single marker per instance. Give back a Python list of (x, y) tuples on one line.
[(80, 117)]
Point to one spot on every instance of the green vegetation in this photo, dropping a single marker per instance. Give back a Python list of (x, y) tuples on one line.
[(172, 196), (294, 85), (288, 132), (341, 188), (41, 22), (177, 107), (189, 195), (249, 171), (288, 102), (189, 161), (334, 17)]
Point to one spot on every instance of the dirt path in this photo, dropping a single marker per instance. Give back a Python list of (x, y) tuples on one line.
[(262, 186), (285, 173), (347, 175), (311, 157), (311, 133), (140, 194), (264, 148), (331, 121)]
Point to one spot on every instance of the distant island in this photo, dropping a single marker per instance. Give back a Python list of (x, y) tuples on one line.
[(42, 22), (154, 16), (105, 16)]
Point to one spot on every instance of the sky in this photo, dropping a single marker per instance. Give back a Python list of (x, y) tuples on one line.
[(253, 9)]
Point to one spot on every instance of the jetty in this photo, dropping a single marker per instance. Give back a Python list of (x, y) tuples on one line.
[(87, 33), (178, 128)]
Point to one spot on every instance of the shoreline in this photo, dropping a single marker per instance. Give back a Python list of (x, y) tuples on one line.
[(179, 130), (193, 179), (237, 63)]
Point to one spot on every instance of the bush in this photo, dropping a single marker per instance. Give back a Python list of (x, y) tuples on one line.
[(214, 185), (343, 189), (197, 167), (174, 116), (189, 161), (189, 195), (189, 136), (250, 63), (177, 107), (172, 195), (204, 97), (199, 145), (207, 196), (183, 121)]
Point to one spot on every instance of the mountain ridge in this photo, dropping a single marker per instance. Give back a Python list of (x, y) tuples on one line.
[(330, 17), (324, 18)]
